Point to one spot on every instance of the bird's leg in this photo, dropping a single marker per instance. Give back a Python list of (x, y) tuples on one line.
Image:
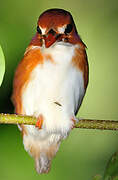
[(39, 121)]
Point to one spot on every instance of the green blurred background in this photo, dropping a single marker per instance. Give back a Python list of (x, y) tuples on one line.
[(86, 152)]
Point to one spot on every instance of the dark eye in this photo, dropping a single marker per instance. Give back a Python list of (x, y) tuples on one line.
[(68, 29), (39, 30)]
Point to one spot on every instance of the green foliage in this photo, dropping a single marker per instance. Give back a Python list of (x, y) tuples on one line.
[(111, 172), (115, 178), (2, 65), (97, 177)]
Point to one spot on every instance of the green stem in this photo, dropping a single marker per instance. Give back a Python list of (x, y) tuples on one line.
[(83, 123), (97, 124), (17, 119)]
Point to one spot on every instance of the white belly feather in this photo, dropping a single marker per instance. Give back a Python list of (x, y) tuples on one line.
[(54, 82)]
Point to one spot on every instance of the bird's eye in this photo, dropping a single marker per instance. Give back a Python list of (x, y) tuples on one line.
[(68, 29), (39, 30)]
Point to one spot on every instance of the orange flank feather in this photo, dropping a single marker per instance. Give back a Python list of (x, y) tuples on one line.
[(31, 58), (49, 58)]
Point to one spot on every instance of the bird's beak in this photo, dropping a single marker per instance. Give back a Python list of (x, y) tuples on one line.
[(50, 38)]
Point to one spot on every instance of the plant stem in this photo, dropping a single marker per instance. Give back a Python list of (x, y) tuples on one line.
[(97, 124), (17, 119), (83, 123)]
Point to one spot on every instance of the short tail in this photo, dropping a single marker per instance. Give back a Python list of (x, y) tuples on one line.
[(42, 164), (43, 151), (44, 158)]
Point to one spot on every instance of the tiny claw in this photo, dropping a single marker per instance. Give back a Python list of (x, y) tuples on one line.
[(39, 122), (74, 122)]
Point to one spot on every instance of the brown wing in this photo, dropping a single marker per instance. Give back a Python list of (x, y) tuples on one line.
[(81, 62)]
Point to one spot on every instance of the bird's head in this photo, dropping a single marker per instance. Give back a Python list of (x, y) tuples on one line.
[(55, 25)]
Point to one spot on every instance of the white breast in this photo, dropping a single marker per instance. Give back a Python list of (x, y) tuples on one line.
[(54, 82)]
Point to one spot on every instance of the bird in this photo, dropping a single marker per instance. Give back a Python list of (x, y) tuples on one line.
[(50, 83)]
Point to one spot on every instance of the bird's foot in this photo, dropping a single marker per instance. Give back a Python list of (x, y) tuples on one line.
[(73, 122), (39, 121)]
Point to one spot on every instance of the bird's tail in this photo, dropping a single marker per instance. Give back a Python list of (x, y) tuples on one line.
[(42, 151), (42, 164), (44, 158)]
